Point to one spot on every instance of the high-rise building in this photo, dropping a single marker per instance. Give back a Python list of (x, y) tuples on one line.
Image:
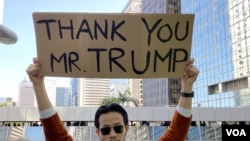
[(160, 91), (26, 94), (15, 133), (133, 6), (73, 91), (62, 96), (221, 42), (161, 6), (91, 91), (135, 86), (220, 46)]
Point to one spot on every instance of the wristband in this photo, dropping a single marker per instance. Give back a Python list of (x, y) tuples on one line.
[(187, 94)]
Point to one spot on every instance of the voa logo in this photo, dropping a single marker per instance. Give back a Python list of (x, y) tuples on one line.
[(236, 132)]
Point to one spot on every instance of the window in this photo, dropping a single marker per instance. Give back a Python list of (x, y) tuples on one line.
[(235, 85), (213, 89)]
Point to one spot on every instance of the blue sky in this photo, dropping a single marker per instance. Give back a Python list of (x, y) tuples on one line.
[(14, 59)]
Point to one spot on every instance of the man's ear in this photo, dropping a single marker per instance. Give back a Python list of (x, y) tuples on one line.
[(126, 128), (97, 131)]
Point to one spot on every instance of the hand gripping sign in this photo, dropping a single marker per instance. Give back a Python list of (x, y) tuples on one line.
[(113, 45)]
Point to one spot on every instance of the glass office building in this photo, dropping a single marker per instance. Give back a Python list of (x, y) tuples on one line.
[(160, 92), (221, 42), (73, 91), (220, 46)]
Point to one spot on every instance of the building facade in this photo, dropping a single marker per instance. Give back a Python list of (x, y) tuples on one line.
[(26, 94), (91, 91), (221, 49), (160, 92), (220, 46), (62, 96), (133, 6), (73, 91)]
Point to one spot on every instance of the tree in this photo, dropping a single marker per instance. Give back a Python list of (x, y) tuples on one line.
[(125, 97), (109, 100), (2, 104), (121, 99), (8, 102)]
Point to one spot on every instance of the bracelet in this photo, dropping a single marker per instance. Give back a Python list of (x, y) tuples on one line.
[(187, 94)]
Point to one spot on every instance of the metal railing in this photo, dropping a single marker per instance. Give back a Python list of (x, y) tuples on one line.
[(134, 113), (87, 133)]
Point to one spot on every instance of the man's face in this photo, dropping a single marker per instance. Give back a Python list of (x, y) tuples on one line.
[(112, 127)]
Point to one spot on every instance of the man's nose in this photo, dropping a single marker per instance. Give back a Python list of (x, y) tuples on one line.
[(112, 133)]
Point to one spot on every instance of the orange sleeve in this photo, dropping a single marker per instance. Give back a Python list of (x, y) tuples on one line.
[(178, 129), (54, 130)]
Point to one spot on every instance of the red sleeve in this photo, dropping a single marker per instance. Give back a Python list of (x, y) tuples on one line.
[(54, 130), (178, 129)]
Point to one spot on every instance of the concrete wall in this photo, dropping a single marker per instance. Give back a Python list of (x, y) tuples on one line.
[(135, 114)]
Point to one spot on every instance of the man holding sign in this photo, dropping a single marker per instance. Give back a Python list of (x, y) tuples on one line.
[(111, 121), (107, 46)]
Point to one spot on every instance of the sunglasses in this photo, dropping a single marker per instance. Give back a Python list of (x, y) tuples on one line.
[(118, 129)]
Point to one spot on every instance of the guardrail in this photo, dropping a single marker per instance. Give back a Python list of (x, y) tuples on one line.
[(88, 133), (135, 113)]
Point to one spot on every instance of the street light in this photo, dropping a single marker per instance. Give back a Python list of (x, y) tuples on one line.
[(7, 36)]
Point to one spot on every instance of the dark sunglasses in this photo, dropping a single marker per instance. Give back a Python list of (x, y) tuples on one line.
[(118, 129)]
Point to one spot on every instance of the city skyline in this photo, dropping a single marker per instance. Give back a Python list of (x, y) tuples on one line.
[(16, 58)]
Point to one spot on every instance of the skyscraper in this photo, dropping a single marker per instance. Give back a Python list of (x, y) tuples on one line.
[(220, 46), (221, 41), (160, 91), (133, 6), (91, 91), (62, 96), (161, 6), (73, 91), (26, 94)]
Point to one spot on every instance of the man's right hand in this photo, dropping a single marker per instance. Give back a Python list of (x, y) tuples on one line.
[(34, 72)]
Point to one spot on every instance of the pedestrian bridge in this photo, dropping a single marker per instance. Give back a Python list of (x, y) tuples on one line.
[(135, 113)]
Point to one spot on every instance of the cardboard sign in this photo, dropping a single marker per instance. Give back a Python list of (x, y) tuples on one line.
[(113, 45)]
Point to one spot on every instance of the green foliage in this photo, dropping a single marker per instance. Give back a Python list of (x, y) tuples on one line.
[(3, 104), (121, 99), (8, 102), (109, 100), (125, 97)]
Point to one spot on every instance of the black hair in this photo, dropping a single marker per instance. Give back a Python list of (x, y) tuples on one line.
[(114, 107)]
